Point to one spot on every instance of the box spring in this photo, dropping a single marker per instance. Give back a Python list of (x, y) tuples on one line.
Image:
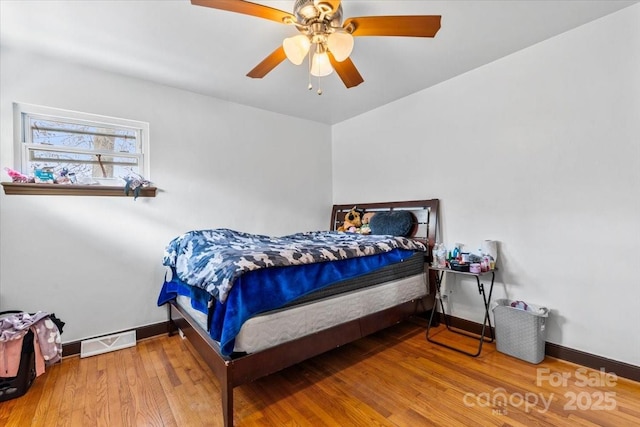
[(333, 305)]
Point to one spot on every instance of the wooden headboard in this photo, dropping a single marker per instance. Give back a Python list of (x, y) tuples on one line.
[(425, 214)]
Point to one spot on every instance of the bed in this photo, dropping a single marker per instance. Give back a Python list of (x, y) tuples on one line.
[(381, 291)]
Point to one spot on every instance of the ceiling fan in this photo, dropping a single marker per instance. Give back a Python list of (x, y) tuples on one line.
[(324, 37)]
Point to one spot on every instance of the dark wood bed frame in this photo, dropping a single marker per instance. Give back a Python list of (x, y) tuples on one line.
[(237, 370)]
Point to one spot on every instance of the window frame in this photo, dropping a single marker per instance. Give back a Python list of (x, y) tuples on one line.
[(23, 144)]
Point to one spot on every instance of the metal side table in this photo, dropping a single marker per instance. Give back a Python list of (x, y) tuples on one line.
[(447, 317)]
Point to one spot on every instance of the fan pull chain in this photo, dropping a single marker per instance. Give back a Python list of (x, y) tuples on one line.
[(310, 86)]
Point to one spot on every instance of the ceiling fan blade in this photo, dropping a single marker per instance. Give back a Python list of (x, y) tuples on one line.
[(347, 71), (268, 64), (407, 26), (247, 8)]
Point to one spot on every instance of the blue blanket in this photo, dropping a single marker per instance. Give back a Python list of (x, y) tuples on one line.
[(261, 289)]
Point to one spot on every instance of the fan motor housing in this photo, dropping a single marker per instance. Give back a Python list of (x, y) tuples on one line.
[(307, 12)]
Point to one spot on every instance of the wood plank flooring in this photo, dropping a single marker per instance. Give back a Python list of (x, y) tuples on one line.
[(392, 378)]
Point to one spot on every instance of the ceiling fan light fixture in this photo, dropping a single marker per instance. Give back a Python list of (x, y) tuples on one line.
[(320, 23), (320, 65), (296, 48), (340, 43)]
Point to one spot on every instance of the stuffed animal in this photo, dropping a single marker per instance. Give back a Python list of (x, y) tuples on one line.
[(17, 176), (135, 182), (366, 218), (352, 221)]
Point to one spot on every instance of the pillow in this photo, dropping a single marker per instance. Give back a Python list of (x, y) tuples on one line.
[(394, 223)]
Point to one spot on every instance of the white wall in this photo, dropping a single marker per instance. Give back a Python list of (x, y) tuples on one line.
[(540, 151), (96, 261)]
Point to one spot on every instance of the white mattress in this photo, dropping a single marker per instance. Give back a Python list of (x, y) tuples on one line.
[(267, 330)]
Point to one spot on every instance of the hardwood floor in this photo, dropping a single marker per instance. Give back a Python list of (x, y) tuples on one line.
[(392, 378)]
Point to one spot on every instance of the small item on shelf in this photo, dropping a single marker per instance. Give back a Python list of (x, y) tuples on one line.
[(63, 177), (490, 247), (434, 256), (490, 262), (135, 183), (44, 175), (484, 264), (455, 254), (475, 268), (17, 176), (439, 256), (457, 266)]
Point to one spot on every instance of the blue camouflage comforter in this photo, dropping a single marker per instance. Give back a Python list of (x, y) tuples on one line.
[(213, 259), (267, 272)]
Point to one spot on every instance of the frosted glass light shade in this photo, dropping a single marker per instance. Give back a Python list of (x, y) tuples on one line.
[(340, 44), (320, 65), (296, 48)]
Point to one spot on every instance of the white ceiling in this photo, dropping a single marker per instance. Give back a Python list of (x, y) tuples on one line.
[(210, 51)]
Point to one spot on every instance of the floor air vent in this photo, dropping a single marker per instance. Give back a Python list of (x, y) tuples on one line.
[(108, 343)]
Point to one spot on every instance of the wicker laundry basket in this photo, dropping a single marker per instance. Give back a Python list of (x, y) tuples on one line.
[(521, 333)]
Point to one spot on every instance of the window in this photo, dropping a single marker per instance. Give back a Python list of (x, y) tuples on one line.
[(86, 148)]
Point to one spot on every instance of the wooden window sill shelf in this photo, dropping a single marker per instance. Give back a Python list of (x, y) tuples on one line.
[(12, 188)]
